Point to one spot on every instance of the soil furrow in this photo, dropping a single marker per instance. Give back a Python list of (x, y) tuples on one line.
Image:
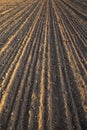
[(43, 65)]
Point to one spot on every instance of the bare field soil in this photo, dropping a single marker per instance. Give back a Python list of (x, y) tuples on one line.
[(8, 5), (43, 65)]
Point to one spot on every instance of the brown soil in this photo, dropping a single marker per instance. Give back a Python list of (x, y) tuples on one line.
[(43, 65)]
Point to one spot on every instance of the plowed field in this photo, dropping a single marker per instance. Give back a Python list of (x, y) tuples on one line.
[(43, 65)]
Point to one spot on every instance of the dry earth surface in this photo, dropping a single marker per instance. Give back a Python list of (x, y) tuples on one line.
[(43, 65)]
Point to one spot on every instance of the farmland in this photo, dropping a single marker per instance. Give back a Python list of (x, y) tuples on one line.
[(43, 65)]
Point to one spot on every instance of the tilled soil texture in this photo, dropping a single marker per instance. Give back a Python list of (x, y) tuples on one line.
[(43, 65)]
